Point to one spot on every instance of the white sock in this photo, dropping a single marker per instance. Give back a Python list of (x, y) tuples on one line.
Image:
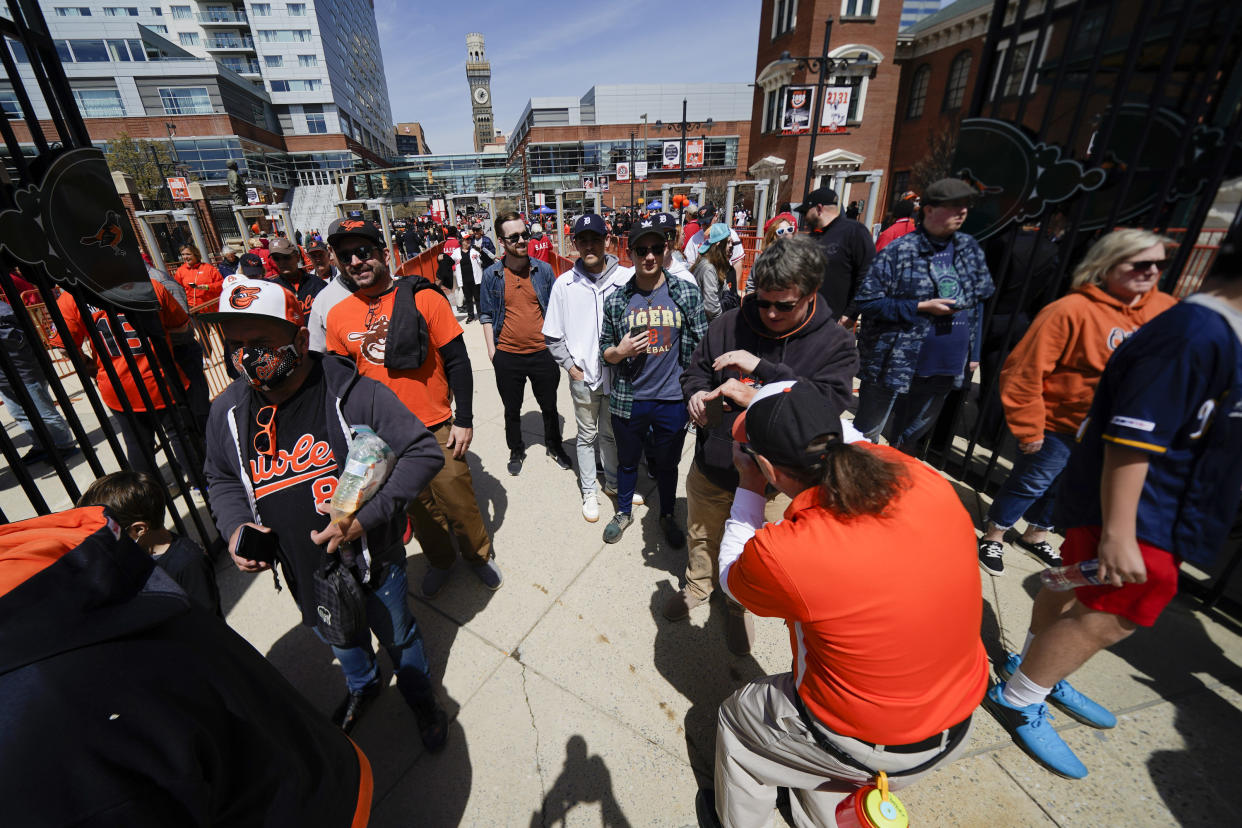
[(1030, 636), (1020, 691)]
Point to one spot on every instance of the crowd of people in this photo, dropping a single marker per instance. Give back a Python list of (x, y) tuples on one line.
[(805, 501)]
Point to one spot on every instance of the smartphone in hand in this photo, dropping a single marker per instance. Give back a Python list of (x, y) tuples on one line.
[(713, 410), (256, 545)]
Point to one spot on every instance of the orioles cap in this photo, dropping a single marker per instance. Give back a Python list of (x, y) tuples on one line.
[(790, 423), (243, 297), (348, 226)]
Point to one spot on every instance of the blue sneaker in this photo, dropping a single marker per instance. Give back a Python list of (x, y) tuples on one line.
[(1032, 732), (1063, 695)]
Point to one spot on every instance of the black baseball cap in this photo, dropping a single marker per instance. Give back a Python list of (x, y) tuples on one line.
[(948, 191), (251, 264), (590, 223), (824, 195), (650, 226), (790, 423), (344, 227), (315, 246)]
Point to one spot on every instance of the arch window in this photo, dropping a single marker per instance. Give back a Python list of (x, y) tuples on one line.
[(918, 92)]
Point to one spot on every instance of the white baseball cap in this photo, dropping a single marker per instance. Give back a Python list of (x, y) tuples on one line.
[(244, 297)]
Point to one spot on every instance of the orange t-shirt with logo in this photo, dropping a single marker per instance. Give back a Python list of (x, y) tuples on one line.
[(358, 328), (883, 611), (117, 342)]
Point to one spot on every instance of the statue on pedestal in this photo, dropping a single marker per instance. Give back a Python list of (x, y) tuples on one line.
[(237, 187)]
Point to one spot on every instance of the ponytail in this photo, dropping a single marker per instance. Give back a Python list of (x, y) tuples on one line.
[(853, 481)]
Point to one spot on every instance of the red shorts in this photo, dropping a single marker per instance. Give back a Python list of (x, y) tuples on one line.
[(1140, 603)]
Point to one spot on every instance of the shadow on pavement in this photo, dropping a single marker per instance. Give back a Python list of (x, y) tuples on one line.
[(584, 779), (489, 492), (657, 553), (1169, 655), (696, 662)]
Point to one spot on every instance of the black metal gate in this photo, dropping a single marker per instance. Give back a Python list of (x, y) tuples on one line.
[(1085, 117), (62, 223)]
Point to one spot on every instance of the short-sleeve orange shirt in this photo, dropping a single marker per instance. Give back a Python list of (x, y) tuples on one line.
[(358, 328)]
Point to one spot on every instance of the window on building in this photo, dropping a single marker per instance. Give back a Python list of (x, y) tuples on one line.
[(118, 50), (156, 11), (772, 109), (180, 12), (90, 51), (273, 61), (136, 50), (308, 61), (9, 105), (316, 124), (1017, 69), (73, 11), (99, 103), (188, 38), (19, 51), (158, 28), (295, 85), (918, 92), (296, 9), (959, 74), (284, 35), (120, 11), (858, 8), (185, 100), (784, 17), (261, 9), (62, 51)]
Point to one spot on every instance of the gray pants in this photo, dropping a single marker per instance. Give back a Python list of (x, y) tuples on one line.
[(594, 425), (762, 743)]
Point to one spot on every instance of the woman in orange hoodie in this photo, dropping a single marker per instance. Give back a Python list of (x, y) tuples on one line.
[(1050, 378), (202, 282)]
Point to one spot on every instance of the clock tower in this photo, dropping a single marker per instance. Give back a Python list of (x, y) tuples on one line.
[(479, 76)]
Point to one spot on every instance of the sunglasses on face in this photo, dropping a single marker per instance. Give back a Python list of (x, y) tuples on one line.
[(362, 251), (785, 231), (284, 255), (1144, 266), (654, 250), (514, 238), (265, 437), (783, 307)]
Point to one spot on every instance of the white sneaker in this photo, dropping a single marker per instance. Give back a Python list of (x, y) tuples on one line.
[(637, 500), (590, 507)]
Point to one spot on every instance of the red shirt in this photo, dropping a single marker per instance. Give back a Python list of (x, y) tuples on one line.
[(883, 611), (171, 317), (894, 231), (540, 248)]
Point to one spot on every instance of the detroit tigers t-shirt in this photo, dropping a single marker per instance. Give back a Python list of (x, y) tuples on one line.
[(659, 376), (358, 328), (948, 337)]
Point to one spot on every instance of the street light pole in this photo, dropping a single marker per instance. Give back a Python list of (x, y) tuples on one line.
[(644, 159), (683, 141), (819, 107), (631, 169)]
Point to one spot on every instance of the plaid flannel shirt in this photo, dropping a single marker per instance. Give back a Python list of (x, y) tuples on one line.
[(686, 297)]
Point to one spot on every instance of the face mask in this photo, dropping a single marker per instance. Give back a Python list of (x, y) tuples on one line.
[(267, 368)]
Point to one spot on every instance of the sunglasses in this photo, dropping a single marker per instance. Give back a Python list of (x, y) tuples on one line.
[(1144, 266), (783, 307), (785, 231), (517, 237), (654, 250), (285, 256), (265, 437), (362, 251)]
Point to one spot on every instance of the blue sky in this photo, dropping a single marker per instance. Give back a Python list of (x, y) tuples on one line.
[(552, 47)]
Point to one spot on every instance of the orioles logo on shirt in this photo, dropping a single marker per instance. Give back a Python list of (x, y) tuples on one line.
[(373, 340), (311, 461), (243, 297), (1117, 336)]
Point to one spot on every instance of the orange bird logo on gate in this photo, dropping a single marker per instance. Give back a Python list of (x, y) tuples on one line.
[(243, 297)]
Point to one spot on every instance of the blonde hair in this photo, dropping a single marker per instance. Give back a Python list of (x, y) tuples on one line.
[(253, 242), (1113, 249)]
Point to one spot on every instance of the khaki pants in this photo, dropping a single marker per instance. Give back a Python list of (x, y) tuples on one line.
[(763, 743), (448, 508), (707, 509)]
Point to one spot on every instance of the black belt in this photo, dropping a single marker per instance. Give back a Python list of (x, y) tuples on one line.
[(951, 738)]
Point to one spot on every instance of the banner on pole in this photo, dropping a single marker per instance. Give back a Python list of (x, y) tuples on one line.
[(672, 155), (836, 109), (694, 153), (640, 170), (540, 199), (179, 188), (798, 103), (623, 172), (588, 183), (603, 183)]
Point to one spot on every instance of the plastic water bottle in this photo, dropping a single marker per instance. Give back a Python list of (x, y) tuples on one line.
[(1062, 578)]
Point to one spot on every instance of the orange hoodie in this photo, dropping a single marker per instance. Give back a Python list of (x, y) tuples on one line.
[(1049, 379)]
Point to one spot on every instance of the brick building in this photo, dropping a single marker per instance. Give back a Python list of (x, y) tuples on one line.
[(854, 161)]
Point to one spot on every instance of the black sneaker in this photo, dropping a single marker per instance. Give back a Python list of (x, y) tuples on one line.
[(432, 726), (35, 455), (516, 458), (992, 557), (672, 533), (561, 458), (1041, 551), (352, 708)]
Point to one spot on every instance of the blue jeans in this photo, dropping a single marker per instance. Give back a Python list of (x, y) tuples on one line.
[(904, 417), (1030, 489), (45, 407), (666, 421), (389, 617)]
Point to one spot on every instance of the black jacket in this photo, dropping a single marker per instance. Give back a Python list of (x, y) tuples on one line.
[(819, 351), (126, 705), (850, 249)]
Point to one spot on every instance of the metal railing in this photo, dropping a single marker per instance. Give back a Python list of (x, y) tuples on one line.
[(230, 43), (222, 17)]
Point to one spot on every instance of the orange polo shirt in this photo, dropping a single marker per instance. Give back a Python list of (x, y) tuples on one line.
[(358, 328), (883, 611)]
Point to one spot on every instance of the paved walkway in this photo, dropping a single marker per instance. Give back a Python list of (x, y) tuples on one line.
[(575, 702)]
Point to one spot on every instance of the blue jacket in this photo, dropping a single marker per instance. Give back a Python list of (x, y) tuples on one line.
[(893, 330), (492, 295)]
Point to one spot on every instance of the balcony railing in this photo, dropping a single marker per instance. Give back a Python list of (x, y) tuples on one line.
[(222, 17), (230, 43), (241, 66)]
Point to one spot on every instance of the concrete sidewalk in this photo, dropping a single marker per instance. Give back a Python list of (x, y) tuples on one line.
[(575, 702)]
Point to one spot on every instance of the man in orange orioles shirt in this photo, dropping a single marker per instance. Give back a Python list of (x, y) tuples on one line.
[(361, 327), (872, 570)]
